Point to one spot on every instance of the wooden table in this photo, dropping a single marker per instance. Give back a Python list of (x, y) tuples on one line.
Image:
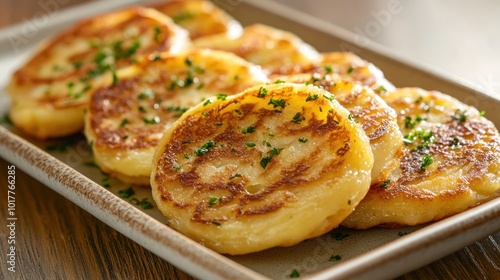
[(58, 240)]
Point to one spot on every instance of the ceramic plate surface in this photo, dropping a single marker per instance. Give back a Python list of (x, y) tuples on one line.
[(65, 165)]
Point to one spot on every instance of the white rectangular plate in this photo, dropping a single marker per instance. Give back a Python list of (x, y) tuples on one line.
[(374, 253)]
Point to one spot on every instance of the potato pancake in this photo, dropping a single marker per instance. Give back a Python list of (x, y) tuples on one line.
[(451, 162), (200, 18), (366, 107), (276, 51), (272, 166), (348, 67), (51, 90), (125, 122)]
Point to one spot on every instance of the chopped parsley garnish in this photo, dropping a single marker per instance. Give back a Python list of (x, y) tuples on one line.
[(212, 201), (250, 144), (294, 274), (105, 182), (205, 148), (456, 143), (77, 64), (385, 185), (72, 92), (425, 136), (142, 109), (178, 109), (235, 176), (297, 118), (250, 129), (277, 103), (335, 258), (303, 140), (262, 92), (266, 143), (221, 96), (460, 117), (349, 71), (126, 193), (352, 119), (208, 101), (153, 120), (410, 123), (279, 81), (265, 160), (382, 88), (426, 161), (312, 97), (340, 236), (146, 93), (216, 223), (328, 69), (330, 97), (157, 32), (482, 113), (182, 16), (6, 119), (143, 203)]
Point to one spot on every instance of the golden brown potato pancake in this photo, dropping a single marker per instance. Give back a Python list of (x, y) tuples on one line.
[(276, 51), (366, 107), (200, 18), (125, 122), (50, 91), (451, 162), (271, 166)]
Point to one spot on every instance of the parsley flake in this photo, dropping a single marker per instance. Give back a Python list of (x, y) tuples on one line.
[(126, 193), (426, 161), (277, 103), (266, 160), (312, 97), (297, 118), (262, 92), (205, 148)]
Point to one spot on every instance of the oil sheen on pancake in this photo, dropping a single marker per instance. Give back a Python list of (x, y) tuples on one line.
[(377, 119), (51, 90), (125, 122), (200, 18), (272, 166), (451, 162)]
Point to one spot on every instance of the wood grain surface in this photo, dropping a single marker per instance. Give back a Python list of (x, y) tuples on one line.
[(55, 239)]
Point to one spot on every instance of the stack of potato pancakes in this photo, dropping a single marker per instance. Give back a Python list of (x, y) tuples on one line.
[(248, 137)]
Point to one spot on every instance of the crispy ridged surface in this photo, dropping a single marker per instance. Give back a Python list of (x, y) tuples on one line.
[(200, 17), (451, 162), (271, 166), (49, 92), (277, 51), (375, 116), (125, 122)]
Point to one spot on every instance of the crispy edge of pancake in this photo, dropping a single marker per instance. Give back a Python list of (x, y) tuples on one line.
[(126, 151), (464, 170), (302, 202), (42, 114)]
